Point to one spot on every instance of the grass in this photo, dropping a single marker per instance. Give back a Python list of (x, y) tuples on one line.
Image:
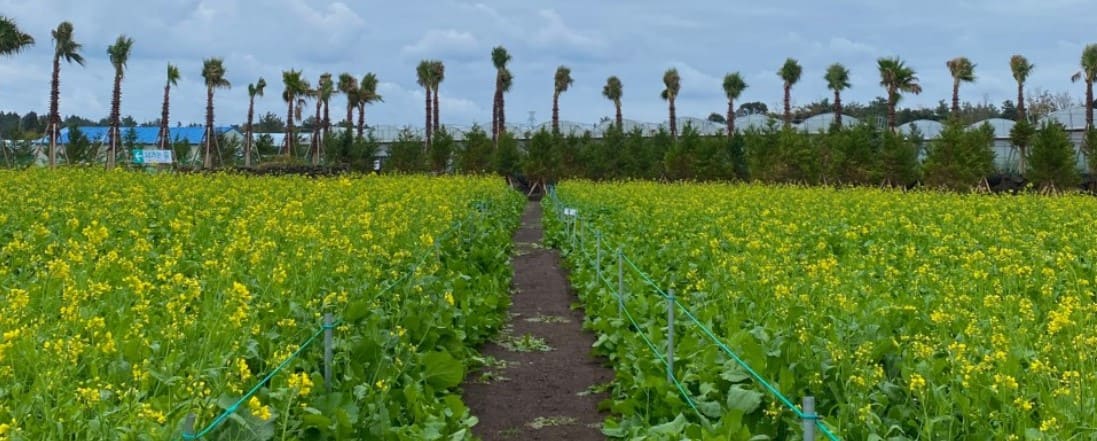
[(543, 422)]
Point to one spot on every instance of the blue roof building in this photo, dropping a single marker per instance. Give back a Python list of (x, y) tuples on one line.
[(145, 135)]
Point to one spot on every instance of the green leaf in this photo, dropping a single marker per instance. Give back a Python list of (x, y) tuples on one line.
[(670, 428), (733, 372), (710, 409), (742, 399), (442, 370)]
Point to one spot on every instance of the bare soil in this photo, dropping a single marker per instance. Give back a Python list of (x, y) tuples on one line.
[(531, 393)]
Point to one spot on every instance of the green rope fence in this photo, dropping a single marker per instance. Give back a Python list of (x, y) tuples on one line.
[(578, 228)]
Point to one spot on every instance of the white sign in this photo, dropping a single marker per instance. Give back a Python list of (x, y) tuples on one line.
[(571, 212), (150, 156)]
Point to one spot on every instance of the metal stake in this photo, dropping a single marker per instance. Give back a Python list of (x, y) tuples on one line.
[(328, 348), (809, 418), (188, 426), (670, 335), (620, 282), (598, 260)]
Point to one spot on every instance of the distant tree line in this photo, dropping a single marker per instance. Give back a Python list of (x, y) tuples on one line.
[(865, 155)]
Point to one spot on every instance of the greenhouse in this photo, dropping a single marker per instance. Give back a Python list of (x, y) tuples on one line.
[(823, 122)]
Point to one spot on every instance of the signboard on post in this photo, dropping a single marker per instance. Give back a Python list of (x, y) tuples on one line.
[(151, 156)]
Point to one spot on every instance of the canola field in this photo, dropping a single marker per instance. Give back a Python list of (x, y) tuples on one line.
[(907, 315), (129, 301)]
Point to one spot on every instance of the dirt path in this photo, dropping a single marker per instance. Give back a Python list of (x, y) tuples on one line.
[(541, 382)]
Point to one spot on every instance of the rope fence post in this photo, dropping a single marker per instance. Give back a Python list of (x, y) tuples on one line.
[(670, 335), (809, 418), (598, 259), (328, 349), (620, 282), (188, 426)]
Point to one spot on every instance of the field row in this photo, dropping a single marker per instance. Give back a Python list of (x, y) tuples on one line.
[(908, 315), (130, 301)]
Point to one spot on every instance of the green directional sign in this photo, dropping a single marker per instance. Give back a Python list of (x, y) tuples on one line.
[(152, 156)]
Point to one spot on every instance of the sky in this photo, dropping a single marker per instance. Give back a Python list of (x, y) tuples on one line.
[(637, 40)]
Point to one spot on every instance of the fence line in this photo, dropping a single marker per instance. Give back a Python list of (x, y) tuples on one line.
[(576, 228), (326, 330)]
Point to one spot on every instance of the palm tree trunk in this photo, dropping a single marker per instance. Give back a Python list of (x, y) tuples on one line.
[(673, 121), (115, 110), (892, 99), (209, 127), (427, 127), (556, 113), (731, 119), (1020, 101), (838, 108), (327, 121), (620, 119), (164, 118), (317, 130), (502, 113), (1021, 117), (1089, 105), (289, 128), (55, 118), (956, 98), (437, 123), (350, 119), (248, 135), (788, 105), (495, 111), (361, 120)]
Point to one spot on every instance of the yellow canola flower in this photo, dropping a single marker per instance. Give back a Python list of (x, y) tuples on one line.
[(301, 382), (258, 409)]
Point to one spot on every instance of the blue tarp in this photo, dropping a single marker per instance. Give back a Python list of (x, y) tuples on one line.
[(145, 135)]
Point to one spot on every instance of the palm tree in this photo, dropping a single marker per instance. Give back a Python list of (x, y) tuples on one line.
[(324, 88), (1021, 69), (119, 53), (896, 77), (348, 86), (837, 77), (499, 58), (173, 79), (67, 48), (613, 90), (1088, 74), (213, 72), (438, 74), (673, 83), (1022, 131), (254, 90), (561, 82), (425, 77), (962, 70), (733, 87), (12, 39), (367, 94), (296, 87), (790, 72)]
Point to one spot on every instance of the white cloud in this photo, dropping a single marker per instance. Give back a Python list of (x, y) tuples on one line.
[(842, 45), (443, 42), (555, 32)]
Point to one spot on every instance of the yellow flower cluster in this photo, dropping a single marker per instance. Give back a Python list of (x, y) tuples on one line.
[(258, 409), (301, 382)]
